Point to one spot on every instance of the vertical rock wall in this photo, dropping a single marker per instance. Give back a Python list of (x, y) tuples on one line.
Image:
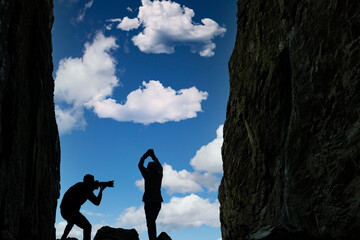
[(29, 143), (291, 151)]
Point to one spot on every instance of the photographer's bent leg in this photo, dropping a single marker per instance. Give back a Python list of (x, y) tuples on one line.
[(152, 210), (83, 223), (68, 216), (68, 228)]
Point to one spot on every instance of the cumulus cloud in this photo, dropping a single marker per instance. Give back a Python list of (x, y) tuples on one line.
[(167, 24), (79, 80), (89, 81), (125, 23), (193, 211), (128, 24), (152, 103), (69, 118), (208, 157), (184, 181), (133, 217), (188, 211)]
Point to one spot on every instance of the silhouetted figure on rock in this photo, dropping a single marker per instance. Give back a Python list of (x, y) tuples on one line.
[(152, 196), (76, 196)]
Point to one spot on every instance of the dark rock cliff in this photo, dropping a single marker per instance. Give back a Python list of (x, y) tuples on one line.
[(292, 132), (29, 144)]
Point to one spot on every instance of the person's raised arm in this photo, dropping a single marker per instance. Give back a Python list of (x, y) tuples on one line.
[(141, 163), (156, 160)]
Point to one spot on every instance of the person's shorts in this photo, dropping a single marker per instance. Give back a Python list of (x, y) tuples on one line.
[(69, 214), (75, 217)]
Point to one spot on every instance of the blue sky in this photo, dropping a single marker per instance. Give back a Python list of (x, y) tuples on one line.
[(132, 75)]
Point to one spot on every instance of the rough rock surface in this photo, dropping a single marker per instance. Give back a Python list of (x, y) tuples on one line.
[(292, 132), (109, 233), (287, 233), (29, 144)]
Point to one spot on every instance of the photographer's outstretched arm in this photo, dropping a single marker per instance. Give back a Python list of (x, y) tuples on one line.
[(96, 200)]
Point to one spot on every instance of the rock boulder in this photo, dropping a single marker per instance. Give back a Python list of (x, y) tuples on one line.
[(109, 233)]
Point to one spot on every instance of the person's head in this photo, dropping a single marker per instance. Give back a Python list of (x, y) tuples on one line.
[(89, 180), (151, 166)]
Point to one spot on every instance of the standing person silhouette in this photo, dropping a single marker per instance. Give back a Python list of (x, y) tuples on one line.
[(152, 196), (73, 198)]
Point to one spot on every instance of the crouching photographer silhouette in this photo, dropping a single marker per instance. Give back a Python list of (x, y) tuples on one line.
[(76, 196)]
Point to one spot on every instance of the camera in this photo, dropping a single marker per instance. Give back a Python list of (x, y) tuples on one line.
[(104, 184)]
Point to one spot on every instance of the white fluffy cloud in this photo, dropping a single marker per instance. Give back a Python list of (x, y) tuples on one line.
[(70, 118), (128, 24), (133, 217), (89, 81), (184, 181), (125, 23), (187, 182), (152, 103), (188, 211), (167, 24), (80, 80), (208, 157)]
